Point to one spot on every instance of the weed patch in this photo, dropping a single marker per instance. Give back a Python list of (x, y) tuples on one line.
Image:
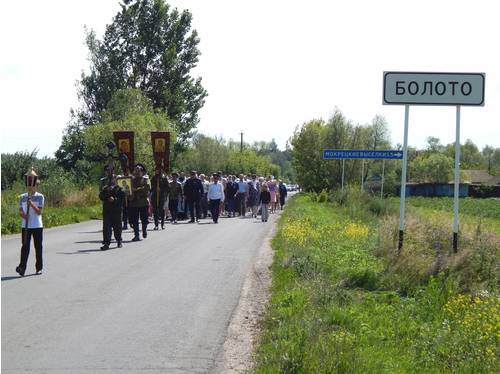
[(344, 300)]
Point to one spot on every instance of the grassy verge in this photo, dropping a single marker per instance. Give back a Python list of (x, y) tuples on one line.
[(75, 206), (52, 216), (343, 301)]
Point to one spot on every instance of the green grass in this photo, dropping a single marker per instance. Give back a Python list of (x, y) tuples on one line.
[(62, 207), (484, 212), (51, 216), (342, 302)]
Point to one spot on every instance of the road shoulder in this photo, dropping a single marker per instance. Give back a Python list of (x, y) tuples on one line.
[(236, 355)]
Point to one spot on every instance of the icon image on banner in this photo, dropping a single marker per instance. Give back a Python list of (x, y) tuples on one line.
[(124, 145)]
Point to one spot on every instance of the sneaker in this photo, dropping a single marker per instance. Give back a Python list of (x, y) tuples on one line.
[(162, 227), (119, 245), (156, 228), (144, 234), (136, 239), (39, 272), (20, 271), (105, 247), (175, 222)]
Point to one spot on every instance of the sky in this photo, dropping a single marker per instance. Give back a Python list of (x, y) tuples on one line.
[(268, 66)]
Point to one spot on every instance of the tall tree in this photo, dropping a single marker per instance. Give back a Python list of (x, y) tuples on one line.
[(151, 47)]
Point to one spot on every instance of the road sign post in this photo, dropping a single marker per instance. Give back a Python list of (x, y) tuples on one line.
[(343, 168), (457, 182), (402, 199), (382, 182), (422, 88), (344, 154), (362, 173)]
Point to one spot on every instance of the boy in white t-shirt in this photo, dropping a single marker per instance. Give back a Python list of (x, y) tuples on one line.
[(30, 209)]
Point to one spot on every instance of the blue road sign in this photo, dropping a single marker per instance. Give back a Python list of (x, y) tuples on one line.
[(359, 153)]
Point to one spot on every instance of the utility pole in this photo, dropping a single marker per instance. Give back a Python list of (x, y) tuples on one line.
[(241, 142)]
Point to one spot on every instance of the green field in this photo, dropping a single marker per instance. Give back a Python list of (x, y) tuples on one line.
[(344, 301), (485, 212)]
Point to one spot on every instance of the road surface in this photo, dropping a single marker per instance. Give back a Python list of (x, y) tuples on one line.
[(161, 305)]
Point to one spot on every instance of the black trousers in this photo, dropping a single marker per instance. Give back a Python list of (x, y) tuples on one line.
[(204, 206), (172, 206), (134, 214), (25, 249), (241, 204), (125, 214), (159, 214), (194, 208), (215, 209), (111, 221)]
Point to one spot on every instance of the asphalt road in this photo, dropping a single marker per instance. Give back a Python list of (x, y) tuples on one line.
[(161, 305)]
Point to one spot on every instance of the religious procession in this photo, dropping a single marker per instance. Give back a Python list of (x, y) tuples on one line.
[(177, 197), (134, 199)]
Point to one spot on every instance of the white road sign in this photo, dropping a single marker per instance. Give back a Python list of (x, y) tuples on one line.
[(416, 88)]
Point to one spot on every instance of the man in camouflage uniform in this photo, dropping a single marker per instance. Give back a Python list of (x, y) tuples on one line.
[(138, 202)]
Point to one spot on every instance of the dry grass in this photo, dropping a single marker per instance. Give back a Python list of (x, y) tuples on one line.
[(428, 250), (88, 195)]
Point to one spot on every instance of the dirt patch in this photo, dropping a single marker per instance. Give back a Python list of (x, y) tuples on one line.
[(243, 331)]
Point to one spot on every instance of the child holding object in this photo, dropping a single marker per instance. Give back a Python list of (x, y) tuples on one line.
[(30, 209)]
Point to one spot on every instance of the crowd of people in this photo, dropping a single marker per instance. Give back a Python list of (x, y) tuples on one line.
[(163, 197), (176, 197)]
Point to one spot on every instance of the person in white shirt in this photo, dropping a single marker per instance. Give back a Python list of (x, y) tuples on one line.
[(215, 197), (30, 209), (204, 198)]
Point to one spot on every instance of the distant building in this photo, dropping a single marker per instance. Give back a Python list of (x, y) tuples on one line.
[(482, 177)]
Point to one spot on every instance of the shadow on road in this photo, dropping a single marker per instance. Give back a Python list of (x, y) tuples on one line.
[(79, 252), (17, 277)]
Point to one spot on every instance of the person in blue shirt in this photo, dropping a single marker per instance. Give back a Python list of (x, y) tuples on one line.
[(215, 197), (241, 195)]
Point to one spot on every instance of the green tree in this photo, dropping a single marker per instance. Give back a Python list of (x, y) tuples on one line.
[(128, 110), (312, 170), (72, 147), (15, 165), (206, 155), (470, 157), (434, 168), (151, 47), (495, 161), (308, 141), (434, 145)]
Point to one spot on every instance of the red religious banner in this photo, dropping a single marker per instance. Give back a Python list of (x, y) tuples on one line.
[(124, 141), (161, 149)]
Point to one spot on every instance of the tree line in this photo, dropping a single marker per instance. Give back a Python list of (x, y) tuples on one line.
[(434, 163)]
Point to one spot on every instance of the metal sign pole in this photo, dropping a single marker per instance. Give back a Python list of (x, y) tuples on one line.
[(362, 173), (382, 187), (457, 182), (403, 181), (343, 168)]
